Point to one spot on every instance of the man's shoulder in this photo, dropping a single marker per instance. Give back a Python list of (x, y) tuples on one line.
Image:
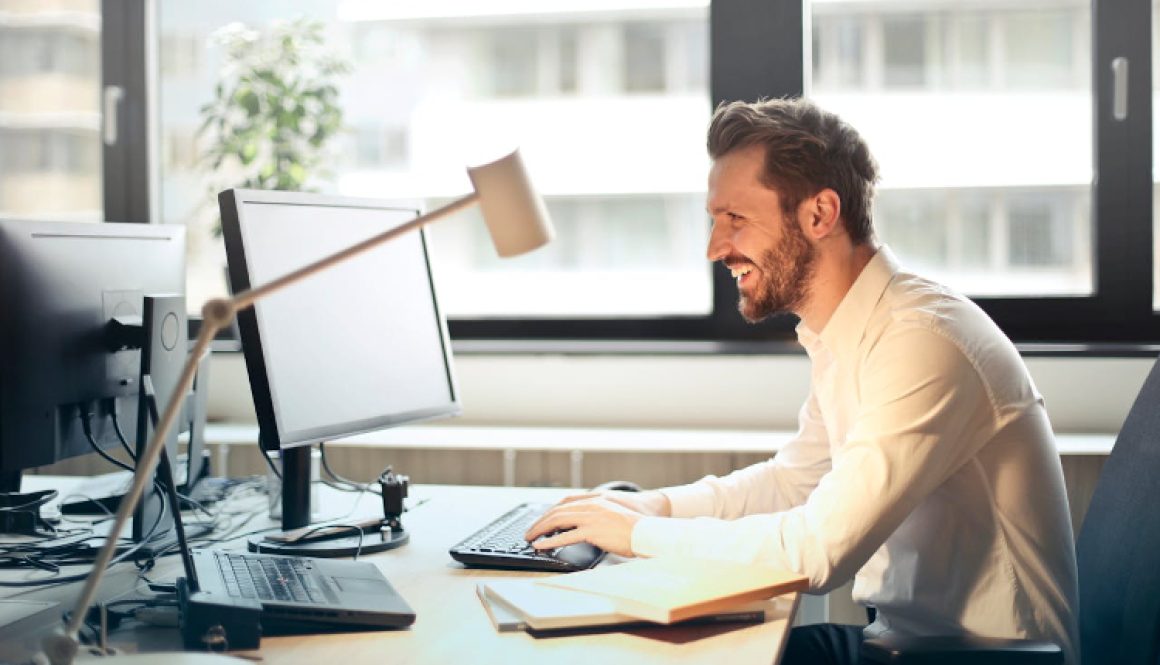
[(932, 324), (914, 301)]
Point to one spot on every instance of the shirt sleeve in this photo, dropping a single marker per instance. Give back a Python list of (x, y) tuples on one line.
[(776, 484), (918, 422)]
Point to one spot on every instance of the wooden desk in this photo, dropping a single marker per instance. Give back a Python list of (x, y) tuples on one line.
[(451, 625)]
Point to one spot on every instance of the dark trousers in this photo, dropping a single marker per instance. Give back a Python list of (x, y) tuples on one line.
[(823, 644)]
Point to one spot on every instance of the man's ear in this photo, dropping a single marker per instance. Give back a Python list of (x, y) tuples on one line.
[(823, 214)]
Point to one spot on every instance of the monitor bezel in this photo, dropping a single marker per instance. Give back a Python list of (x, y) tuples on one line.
[(233, 203)]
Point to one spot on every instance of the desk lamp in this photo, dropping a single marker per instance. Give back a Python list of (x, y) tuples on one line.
[(517, 222)]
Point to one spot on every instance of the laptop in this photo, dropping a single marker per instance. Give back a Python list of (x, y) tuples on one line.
[(297, 594), (303, 595)]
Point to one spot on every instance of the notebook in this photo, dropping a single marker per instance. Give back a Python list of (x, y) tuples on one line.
[(522, 605), (670, 589)]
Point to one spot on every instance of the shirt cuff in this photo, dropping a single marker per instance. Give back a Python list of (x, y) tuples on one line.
[(654, 536), (694, 500)]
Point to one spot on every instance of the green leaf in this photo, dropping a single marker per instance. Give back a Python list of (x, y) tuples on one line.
[(297, 173), (249, 152), (248, 101)]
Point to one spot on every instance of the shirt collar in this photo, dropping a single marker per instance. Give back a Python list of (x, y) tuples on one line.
[(848, 322)]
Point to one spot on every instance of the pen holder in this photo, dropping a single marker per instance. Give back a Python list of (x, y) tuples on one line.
[(394, 486)]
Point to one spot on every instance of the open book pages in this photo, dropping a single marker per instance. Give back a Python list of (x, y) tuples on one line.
[(668, 589), (521, 604), (544, 607)]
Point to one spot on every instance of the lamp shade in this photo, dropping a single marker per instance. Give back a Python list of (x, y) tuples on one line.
[(514, 212)]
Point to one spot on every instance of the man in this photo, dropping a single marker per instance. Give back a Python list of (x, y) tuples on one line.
[(924, 464)]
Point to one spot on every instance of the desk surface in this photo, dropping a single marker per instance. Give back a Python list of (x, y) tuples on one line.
[(452, 626)]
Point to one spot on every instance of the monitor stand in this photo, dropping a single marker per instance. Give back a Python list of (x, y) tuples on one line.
[(164, 346), (341, 539), (10, 481)]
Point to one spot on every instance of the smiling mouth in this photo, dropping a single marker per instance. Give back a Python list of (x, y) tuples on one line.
[(740, 272)]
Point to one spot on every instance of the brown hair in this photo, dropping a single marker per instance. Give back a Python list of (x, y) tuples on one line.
[(807, 150)]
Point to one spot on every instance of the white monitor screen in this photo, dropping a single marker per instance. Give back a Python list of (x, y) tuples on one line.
[(357, 347)]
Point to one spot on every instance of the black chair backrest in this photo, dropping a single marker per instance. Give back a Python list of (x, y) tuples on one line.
[(1119, 546)]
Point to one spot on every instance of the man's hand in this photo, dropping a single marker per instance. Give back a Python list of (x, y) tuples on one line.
[(605, 519), (651, 503), (595, 519)]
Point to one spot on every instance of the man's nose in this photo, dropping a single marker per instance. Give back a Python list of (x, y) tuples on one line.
[(719, 245)]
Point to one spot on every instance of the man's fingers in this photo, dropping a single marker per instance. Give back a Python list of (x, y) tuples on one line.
[(553, 520), (562, 516), (560, 539)]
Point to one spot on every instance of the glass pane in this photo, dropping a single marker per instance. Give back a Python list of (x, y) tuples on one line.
[(609, 108), (50, 77), (904, 50), (979, 114)]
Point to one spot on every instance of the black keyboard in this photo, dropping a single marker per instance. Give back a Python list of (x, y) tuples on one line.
[(501, 544), (269, 578)]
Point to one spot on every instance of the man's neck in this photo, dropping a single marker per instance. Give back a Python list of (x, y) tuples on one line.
[(837, 270)]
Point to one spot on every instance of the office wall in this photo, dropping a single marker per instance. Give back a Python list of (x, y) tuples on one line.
[(1084, 395)]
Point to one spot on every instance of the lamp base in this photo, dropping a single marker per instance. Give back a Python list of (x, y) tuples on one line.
[(167, 657), (60, 649)]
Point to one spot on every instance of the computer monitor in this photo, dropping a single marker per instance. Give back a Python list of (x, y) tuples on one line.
[(356, 348), (61, 284)]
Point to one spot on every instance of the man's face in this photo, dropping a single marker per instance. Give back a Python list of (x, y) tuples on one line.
[(767, 251)]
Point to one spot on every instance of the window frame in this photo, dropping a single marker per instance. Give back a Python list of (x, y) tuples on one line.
[(126, 63), (759, 49)]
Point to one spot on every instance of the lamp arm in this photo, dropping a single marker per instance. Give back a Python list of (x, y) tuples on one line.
[(60, 647)]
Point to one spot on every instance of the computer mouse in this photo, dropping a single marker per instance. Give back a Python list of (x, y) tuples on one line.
[(622, 485)]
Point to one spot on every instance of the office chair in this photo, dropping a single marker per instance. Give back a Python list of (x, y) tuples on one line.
[(1118, 555)]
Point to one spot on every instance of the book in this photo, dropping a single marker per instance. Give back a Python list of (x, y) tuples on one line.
[(670, 589), (522, 605), (503, 619)]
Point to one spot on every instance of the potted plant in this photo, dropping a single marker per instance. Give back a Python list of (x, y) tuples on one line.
[(275, 108)]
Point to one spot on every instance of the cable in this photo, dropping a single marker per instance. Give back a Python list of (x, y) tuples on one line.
[(116, 418), (269, 462), (86, 425), (125, 443), (354, 486), (331, 525), (80, 576)]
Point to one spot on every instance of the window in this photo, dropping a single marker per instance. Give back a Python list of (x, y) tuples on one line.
[(1000, 111), (609, 108), (1039, 234), (969, 46), (1005, 173), (904, 50), (838, 45), (644, 57), (50, 145), (512, 57), (1041, 47)]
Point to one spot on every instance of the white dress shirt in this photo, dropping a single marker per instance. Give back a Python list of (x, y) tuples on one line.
[(924, 466)]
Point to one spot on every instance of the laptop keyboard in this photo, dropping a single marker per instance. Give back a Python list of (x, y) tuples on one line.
[(269, 578), (501, 544)]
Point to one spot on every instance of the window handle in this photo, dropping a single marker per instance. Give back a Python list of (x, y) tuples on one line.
[(112, 104), (1120, 88)]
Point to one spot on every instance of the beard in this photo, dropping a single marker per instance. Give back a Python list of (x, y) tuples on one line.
[(785, 271)]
